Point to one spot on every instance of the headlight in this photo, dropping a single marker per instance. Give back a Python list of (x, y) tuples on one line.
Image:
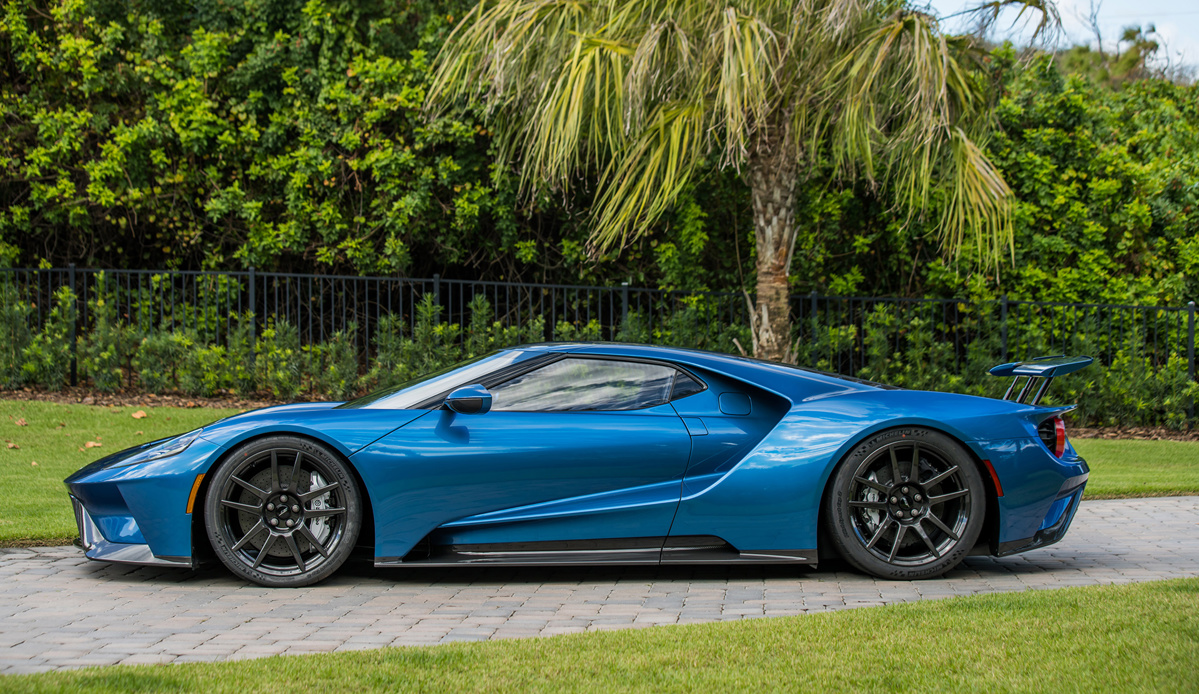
[(172, 447)]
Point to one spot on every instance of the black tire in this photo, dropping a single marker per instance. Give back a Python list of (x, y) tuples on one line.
[(886, 521), (283, 511)]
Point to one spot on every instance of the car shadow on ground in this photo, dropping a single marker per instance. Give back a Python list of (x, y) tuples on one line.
[(362, 573)]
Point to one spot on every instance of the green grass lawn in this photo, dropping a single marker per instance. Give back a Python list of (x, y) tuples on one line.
[(35, 510), (1140, 637), (1140, 468)]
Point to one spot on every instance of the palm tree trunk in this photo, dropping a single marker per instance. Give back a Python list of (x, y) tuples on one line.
[(772, 176)]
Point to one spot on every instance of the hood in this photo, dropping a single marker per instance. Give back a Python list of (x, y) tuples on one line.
[(348, 430)]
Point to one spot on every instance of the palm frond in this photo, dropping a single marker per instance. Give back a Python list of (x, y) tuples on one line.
[(907, 95), (646, 177)]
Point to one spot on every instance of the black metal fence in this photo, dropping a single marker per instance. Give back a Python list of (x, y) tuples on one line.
[(843, 334)]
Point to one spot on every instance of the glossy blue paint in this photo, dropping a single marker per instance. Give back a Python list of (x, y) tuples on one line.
[(472, 399), (747, 460), (445, 467)]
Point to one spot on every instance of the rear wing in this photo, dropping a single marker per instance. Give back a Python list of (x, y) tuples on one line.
[(1040, 372)]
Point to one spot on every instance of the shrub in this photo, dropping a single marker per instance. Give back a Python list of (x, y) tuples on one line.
[(333, 364), (107, 350), (14, 334), (433, 346), (240, 355), (46, 360), (573, 332), (279, 360), (205, 371), (160, 358)]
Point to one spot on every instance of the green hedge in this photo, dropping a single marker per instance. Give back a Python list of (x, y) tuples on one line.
[(1144, 384)]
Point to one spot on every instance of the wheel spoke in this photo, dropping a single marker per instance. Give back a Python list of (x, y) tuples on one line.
[(312, 494), (903, 529), (241, 507), (894, 466), (927, 540), (941, 477), (295, 550), (323, 512), (295, 471), (934, 500), (251, 488), (312, 540), (266, 548), (275, 486), (878, 534), (246, 538), (915, 463), (869, 504), (944, 528), (871, 483)]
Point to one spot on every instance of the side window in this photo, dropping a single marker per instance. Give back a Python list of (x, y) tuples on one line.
[(585, 384), (685, 385)]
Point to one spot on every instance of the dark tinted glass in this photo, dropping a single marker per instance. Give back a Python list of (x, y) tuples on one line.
[(685, 385), (585, 384)]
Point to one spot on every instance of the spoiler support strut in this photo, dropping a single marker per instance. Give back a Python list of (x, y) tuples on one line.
[(1042, 369)]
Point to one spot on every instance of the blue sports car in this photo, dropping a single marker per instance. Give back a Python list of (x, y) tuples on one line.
[(600, 453)]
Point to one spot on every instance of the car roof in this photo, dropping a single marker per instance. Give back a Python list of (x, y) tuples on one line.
[(757, 371)]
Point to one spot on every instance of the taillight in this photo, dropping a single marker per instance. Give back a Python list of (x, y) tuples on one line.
[(1052, 432)]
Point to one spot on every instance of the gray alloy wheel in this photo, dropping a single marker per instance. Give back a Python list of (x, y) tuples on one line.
[(905, 504), (283, 511)]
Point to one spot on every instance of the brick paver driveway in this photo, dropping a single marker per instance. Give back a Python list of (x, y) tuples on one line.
[(59, 610)]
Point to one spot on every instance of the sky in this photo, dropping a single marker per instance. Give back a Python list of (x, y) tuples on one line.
[(1177, 22)]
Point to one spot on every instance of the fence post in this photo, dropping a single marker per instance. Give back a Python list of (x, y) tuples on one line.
[(253, 305), (812, 360), (75, 320), (1003, 326), (437, 295), (1191, 354), (624, 302)]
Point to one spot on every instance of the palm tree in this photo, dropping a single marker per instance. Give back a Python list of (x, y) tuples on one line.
[(644, 91)]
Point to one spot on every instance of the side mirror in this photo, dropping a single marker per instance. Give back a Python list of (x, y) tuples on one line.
[(469, 400)]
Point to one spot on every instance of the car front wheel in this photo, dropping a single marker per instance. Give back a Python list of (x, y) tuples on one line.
[(283, 511)]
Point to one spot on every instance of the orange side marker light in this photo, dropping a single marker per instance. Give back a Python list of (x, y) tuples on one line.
[(994, 478), (191, 499)]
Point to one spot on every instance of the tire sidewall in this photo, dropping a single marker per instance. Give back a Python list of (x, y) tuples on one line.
[(342, 475), (839, 513)]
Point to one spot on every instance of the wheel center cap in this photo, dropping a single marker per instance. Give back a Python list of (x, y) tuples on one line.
[(284, 511), (907, 501)]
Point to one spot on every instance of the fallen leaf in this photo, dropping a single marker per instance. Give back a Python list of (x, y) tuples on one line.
[(22, 423), (140, 414), (13, 445), (93, 444), (33, 464), (168, 419), (80, 450), (137, 433)]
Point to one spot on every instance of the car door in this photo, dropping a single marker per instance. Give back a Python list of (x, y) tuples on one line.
[(578, 450)]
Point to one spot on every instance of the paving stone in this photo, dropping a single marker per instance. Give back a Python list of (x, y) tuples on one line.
[(58, 610)]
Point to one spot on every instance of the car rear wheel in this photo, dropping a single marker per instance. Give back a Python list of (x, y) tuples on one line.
[(283, 511), (906, 504)]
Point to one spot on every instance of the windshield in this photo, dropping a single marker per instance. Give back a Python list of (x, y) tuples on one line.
[(411, 393)]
